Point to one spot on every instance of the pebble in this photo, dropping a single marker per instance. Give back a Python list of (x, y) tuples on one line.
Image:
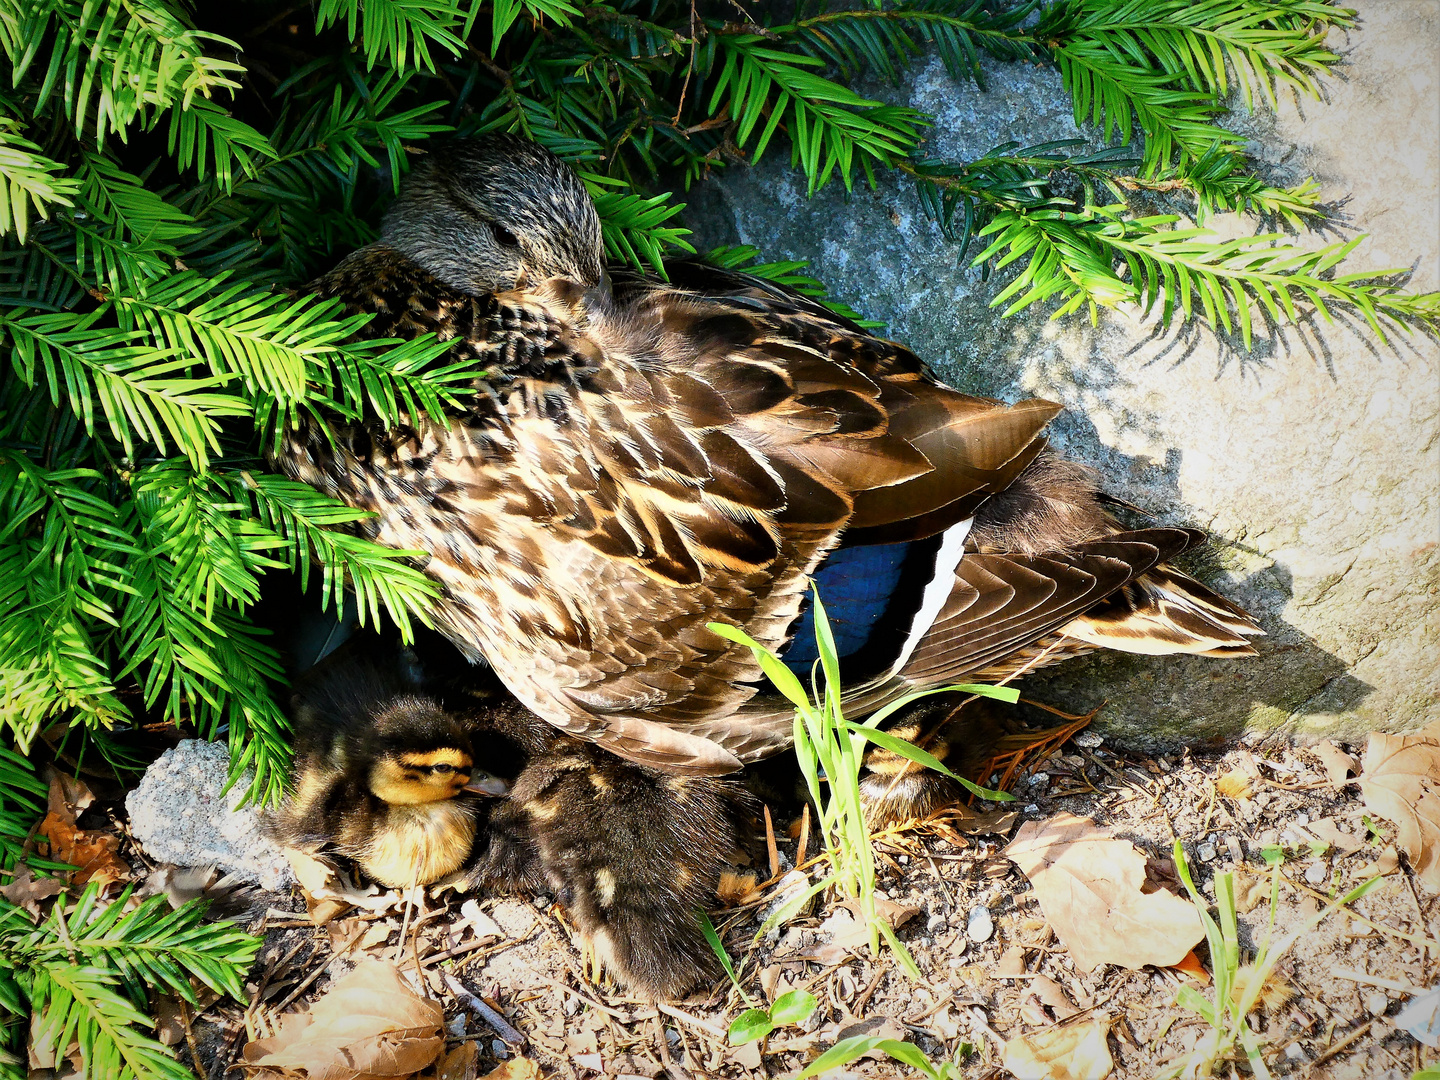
[(1089, 740), (500, 1050), (1302, 819), (1376, 1003), (980, 926), (1316, 873), (1296, 1052), (934, 923), (1040, 779), (1206, 852)]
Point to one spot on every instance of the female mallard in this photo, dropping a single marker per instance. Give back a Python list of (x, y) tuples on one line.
[(646, 457)]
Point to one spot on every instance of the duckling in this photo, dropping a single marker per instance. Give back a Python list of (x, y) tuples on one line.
[(382, 775), (644, 458)]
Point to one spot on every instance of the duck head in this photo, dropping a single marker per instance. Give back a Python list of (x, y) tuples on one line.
[(423, 755), (494, 213)]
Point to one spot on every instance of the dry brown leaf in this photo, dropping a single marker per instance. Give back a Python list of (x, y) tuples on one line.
[(26, 890), (1191, 966), (515, 1068), (1387, 862), (1400, 781), (1089, 886), (462, 1063), (370, 1024), (91, 851), (1012, 963), (327, 893), (996, 822), (1328, 830), (68, 796), (1078, 1052), (1235, 785), (1338, 764), (1051, 993)]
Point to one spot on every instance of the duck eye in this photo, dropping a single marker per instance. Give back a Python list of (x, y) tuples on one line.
[(443, 769), (503, 236)]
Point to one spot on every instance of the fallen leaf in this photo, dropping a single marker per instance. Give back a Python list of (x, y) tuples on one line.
[(1400, 780), (593, 1062), (582, 1042), (481, 925), (1191, 966), (747, 1055), (357, 935), (1328, 830), (369, 1024), (847, 935), (895, 915), (1012, 963), (462, 1063), (1235, 785), (515, 1068), (1387, 862), (327, 894), (91, 851), (983, 823), (26, 890), (68, 796), (1052, 994), (1337, 763), (1078, 1052), (169, 1022), (1089, 886)]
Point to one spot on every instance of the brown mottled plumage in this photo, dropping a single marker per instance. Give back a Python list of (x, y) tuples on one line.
[(647, 457)]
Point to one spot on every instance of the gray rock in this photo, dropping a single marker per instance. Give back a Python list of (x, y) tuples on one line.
[(1313, 457), (179, 815)]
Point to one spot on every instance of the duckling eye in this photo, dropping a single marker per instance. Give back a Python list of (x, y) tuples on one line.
[(503, 236), (443, 769)]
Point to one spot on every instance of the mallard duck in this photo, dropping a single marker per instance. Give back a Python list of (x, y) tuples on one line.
[(382, 775), (646, 457)]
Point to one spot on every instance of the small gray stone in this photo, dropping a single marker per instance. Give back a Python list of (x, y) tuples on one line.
[(980, 926), (1206, 852), (1089, 740), (934, 923), (1316, 873), (179, 815), (1376, 1003)]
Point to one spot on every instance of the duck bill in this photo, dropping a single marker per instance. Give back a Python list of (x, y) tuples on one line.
[(488, 785)]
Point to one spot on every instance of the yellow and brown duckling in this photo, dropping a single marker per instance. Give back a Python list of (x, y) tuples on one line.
[(389, 776), (382, 775)]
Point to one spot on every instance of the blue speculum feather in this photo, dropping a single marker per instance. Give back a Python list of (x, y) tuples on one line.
[(857, 585)]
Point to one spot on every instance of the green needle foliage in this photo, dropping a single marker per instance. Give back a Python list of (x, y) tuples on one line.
[(85, 973), (171, 175)]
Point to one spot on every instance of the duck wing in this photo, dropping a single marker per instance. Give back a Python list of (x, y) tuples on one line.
[(632, 470)]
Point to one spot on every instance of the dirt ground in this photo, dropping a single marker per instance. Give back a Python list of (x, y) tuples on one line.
[(1328, 1013)]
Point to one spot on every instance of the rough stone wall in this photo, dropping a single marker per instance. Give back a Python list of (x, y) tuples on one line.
[(1313, 457)]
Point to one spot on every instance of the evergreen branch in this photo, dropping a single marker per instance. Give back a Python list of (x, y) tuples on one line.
[(314, 527), (634, 227), (28, 182), (1265, 41), (879, 39), (506, 12), (22, 801), (1077, 257), (143, 393), (829, 125), (112, 63), (206, 136), (400, 30), (78, 1003)]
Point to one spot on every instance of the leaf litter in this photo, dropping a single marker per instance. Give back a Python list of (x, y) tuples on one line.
[(1027, 1001)]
